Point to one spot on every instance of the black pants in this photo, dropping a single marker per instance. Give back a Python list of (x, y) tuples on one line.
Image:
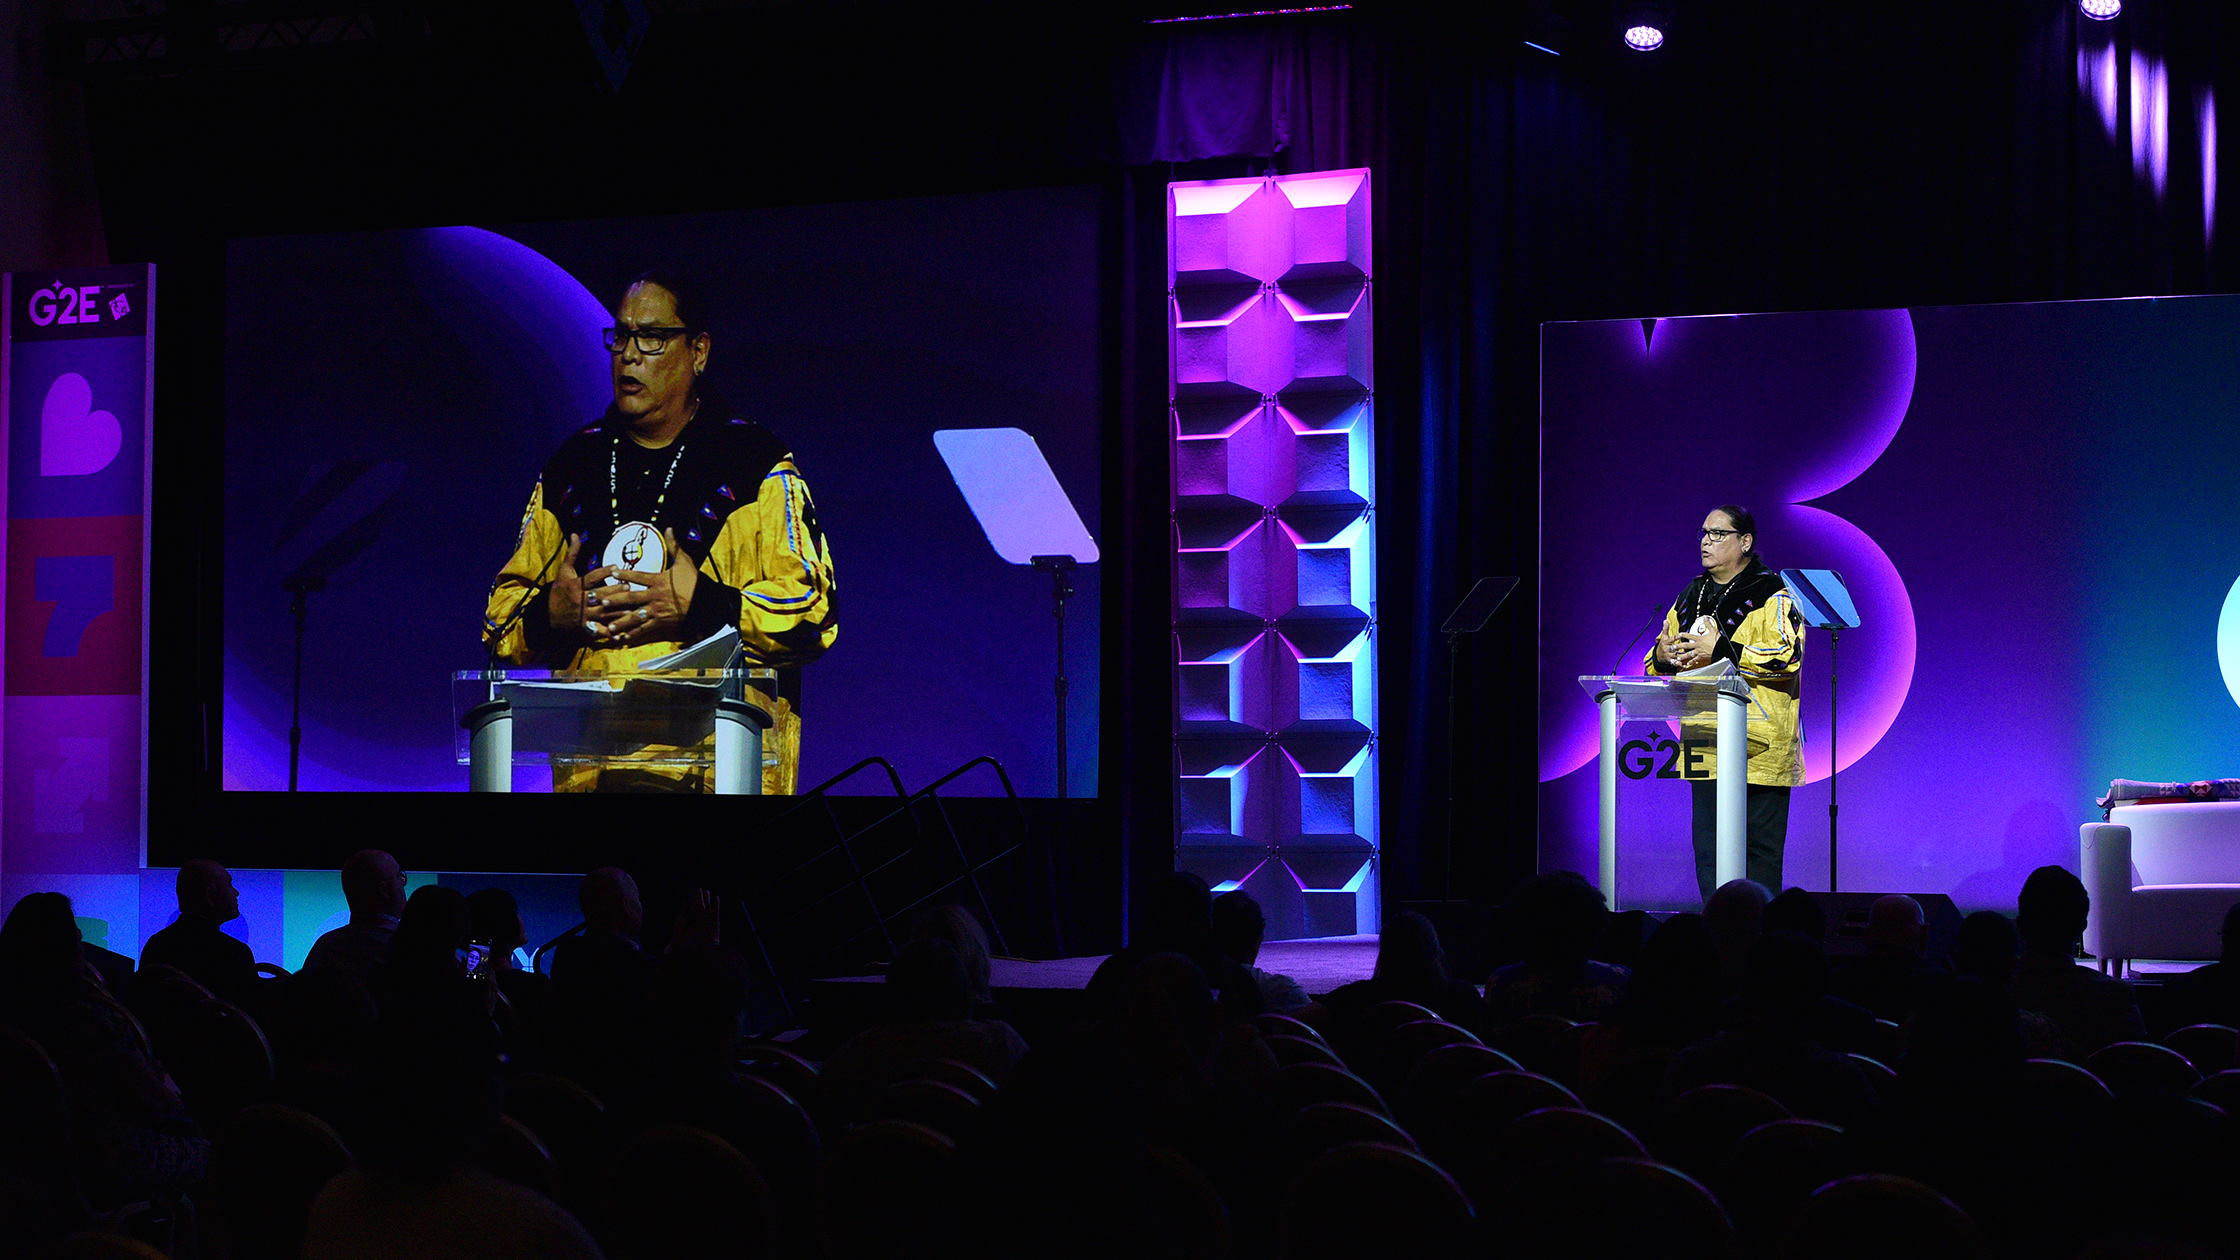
[(1765, 832)]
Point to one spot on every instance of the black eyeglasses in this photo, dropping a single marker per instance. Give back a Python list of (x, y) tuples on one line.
[(651, 341), (1721, 535)]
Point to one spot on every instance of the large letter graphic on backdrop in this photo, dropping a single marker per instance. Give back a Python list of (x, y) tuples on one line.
[(81, 588), (1648, 424), (2228, 641)]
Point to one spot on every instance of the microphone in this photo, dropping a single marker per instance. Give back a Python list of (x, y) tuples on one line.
[(536, 589), (1654, 618)]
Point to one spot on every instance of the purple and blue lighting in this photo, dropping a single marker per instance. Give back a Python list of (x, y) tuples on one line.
[(1956, 474), (2205, 125), (2100, 10), (1275, 560), (2150, 121), (1644, 37)]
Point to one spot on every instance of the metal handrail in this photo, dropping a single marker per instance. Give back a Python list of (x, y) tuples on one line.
[(859, 875)]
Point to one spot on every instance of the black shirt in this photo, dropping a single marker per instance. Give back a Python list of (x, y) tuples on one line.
[(212, 959)]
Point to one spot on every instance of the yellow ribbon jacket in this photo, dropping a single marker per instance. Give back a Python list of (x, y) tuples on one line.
[(740, 508), (1761, 631)]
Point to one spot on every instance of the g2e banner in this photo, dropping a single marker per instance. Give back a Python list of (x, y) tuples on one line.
[(77, 383)]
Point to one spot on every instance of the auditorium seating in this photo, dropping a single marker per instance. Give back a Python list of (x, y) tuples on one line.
[(2135, 1068), (1873, 1216), (678, 1191), (1703, 1124), (266, 1167), (2211, 1048), (1479, 1157)]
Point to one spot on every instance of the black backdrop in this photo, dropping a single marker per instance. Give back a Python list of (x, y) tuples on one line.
[(1770, 157)]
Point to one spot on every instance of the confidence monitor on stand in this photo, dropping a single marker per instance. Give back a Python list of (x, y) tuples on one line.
[(1028, 519), (1468, 617), (1825, 604)]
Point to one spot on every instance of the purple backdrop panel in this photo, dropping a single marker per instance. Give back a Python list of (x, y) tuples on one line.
[(2032, 504), (72, 783), (1649, 424)]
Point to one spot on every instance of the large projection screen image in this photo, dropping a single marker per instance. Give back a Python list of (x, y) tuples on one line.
[(2037, 508), (392, 397)]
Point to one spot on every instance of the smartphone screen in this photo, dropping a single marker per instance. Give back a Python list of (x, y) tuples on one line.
[(476, 955)]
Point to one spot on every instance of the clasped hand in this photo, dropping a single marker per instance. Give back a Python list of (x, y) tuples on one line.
[(616, 615), (1688, 651)]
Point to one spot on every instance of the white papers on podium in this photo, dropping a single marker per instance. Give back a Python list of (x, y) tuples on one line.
[(601, 717), (713, 652), (1659, 698), (1013, 494)]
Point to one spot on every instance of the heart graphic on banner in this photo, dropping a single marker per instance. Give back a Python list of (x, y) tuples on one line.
[(74, 439)]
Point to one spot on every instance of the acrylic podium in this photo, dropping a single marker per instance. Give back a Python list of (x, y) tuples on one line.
[(1661, 698), (656, 720)]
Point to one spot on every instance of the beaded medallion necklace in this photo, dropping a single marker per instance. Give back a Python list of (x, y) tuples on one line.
[(614, 489)]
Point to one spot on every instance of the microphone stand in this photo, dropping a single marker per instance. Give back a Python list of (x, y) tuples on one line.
[(1835, 633), (300, 588), (1060, 568)]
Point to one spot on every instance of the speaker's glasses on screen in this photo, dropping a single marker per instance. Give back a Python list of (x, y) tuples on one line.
[(651, 341)]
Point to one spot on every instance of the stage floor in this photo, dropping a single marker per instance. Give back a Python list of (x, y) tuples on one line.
[(1318, 965)]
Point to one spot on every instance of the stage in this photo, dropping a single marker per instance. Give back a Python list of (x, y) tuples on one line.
[(1045, 996)]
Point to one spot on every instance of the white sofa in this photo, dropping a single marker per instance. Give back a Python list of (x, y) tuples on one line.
[(2161, 878)]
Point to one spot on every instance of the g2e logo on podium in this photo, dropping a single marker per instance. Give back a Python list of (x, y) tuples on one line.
[(1683, 758), (75, 439), (62, 304)]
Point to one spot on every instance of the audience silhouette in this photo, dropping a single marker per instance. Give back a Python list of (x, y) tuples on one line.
[(619, 1107), (194, 942)]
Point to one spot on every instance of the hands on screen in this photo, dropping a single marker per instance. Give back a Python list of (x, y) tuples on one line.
[(620, 615), (1692, 651), (563, 600)]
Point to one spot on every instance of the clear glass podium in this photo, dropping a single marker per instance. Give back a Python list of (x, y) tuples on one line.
[(666, 721), (1721, 700)]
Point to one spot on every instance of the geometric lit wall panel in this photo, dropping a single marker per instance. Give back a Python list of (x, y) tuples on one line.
[(1224, 687), (1338, 806), (1329, 450), (1271, 301), (1251, 577), (1324, 694), (1329, 225), (1335, 575)]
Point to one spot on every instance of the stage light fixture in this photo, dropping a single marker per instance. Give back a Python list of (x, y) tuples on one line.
[(1643, 26), (2100, 10)]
